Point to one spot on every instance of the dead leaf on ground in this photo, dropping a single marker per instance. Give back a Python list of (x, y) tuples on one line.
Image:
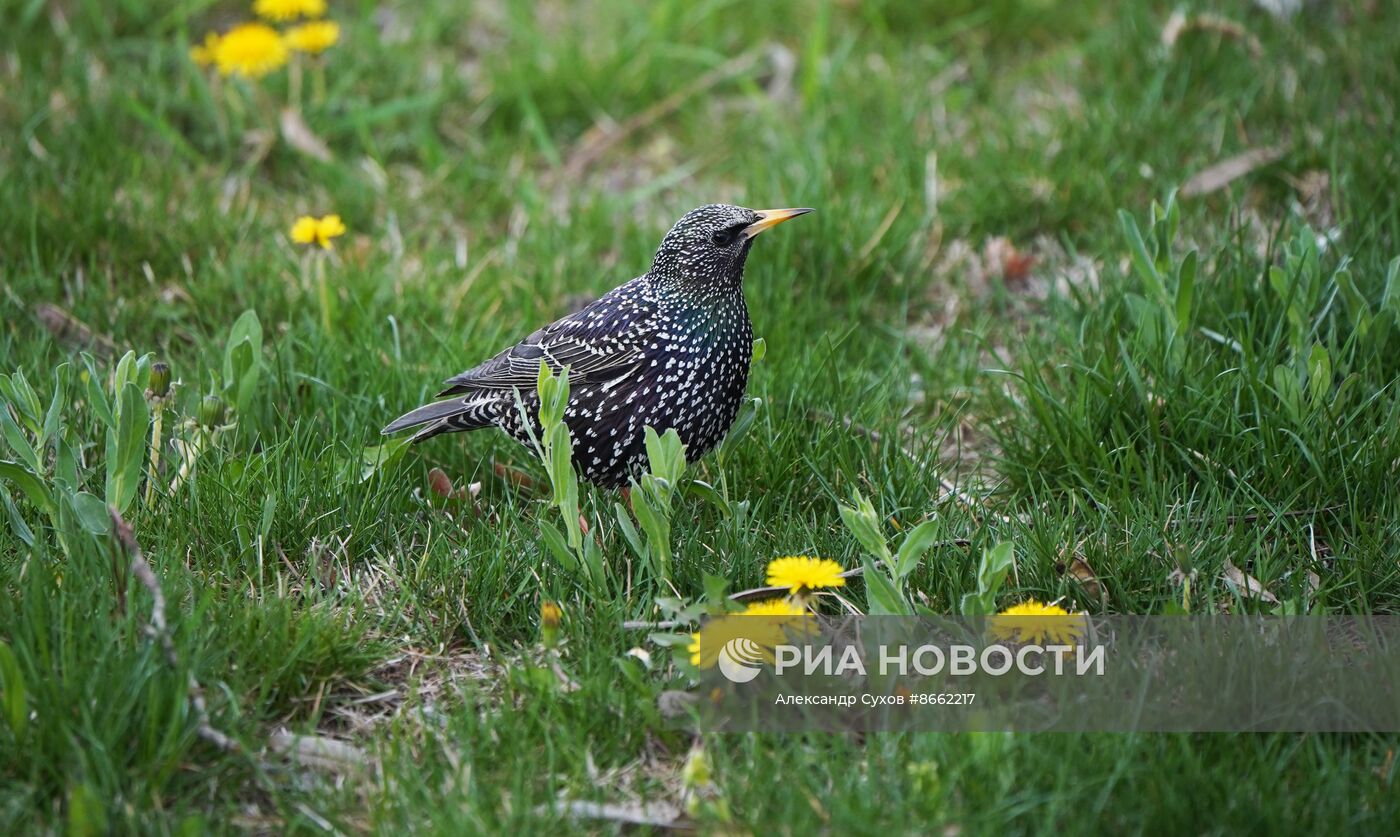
[(566, 683), (258, 144), (1002, 257), (599, 139), (655, 814), (319, 752), (674, 703), (1179, 24), (1222, 174), (513, 476), (71, 331), (300, 136), (1079, 570), (441, 485), (1246, 585), (1385, 767), (1315, 198)]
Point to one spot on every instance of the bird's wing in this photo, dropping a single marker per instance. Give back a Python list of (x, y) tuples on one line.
[(598, 343)]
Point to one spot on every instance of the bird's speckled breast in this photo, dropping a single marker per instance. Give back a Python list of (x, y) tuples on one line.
[(691, 379), (708, 382)]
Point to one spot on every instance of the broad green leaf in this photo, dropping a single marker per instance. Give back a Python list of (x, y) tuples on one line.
[(73, 534), (1142, 262), (864, 524), (1356, 302), (991, 572), (17, 524), (1319, 375), (546, 386), (123, 372), (243, 360), (377, 458), (760, 350), (972, 605), (711, 495), (561, 468), (1390, 296), (18, 392), (593, 561), (133, 370), (742, 423), (246, 327), (915, 544), (1278, 280), (1288, 391), (56, 405), (33, 488), (561, 394), (126, 446), (658, 529), (65, 465), (881, 596), (1339, 398), (97, 396), (629, 532), (665, 455), (554, 539), (92, 513), (716, 588), (15, 438), (741, 512), (554, 394), (669, 640)]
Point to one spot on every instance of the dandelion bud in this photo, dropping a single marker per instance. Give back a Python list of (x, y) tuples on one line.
[(703, 799), (160, 379), (211, 411), (550, 616), (697, 772)]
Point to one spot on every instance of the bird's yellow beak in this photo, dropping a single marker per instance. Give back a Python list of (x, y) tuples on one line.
[(770, 218)]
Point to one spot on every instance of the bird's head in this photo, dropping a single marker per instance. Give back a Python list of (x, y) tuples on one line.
[(707, 247)]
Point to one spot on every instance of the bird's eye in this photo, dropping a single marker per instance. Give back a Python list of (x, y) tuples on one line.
[(722, 238)]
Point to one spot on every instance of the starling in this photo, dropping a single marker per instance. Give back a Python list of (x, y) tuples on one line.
[(668, 350)]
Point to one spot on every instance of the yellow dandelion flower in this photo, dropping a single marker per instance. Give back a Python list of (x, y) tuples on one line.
[(550, 616), (784, 620), (801, 574), (1033, 623), (697, 657), (206, 54), (318, 231), (314, 37), (251, 49), (774, 607), (284, 10)]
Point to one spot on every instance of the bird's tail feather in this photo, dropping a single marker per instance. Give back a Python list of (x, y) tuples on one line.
[(446, 417)]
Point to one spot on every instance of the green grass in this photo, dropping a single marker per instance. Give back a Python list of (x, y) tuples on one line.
[(1090, 425)]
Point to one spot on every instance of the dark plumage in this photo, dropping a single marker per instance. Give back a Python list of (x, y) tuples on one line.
[(669, 349)]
